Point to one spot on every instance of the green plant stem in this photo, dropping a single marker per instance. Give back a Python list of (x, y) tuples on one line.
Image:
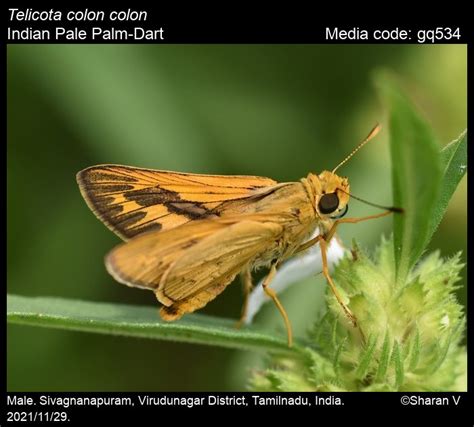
[(140, 321)]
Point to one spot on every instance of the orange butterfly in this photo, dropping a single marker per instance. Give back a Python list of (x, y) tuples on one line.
[(187, 236)]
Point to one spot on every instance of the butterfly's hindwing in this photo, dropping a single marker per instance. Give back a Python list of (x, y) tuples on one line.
[(193, 263)]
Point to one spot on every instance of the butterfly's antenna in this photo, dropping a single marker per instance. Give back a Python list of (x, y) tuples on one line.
[(371, 134), (375, 205)]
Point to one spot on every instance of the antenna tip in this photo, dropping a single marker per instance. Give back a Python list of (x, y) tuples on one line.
[(397, 210), (377, 128)]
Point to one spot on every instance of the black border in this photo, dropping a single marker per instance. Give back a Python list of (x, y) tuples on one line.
[(363, 407)]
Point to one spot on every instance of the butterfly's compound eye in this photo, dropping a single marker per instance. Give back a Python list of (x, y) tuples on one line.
[(340, 215), (328, 203)]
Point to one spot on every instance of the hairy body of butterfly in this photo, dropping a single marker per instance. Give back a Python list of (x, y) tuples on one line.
[(187, 235)]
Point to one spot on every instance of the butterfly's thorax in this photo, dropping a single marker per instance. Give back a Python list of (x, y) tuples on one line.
[(288, 205), (294, 207)]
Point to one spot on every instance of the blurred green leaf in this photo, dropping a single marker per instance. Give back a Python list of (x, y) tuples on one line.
[(416, 175), (454, 162), (138, 321), (123, 109)]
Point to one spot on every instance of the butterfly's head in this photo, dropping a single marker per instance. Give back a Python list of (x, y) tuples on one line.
[(332, 191), (332, 196)]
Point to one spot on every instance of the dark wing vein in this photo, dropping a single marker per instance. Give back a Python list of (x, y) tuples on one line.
[(133, 200)]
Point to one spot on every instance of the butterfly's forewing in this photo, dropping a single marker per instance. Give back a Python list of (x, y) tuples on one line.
[(131, 201)]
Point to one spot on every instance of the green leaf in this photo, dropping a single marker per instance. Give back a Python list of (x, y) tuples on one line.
[(337, 356), (454, 162), (398, 365), (416, 176), (415, 351), (139, 321), (366, 357), (384, 359), (444, 349)]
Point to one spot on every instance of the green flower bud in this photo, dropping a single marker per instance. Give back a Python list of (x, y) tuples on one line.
[(408, 336)]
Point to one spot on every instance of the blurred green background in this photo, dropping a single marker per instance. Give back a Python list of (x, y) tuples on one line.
[(271, 110)]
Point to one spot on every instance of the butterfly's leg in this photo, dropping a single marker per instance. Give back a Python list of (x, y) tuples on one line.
[(323, 240), (332, 230), (349, 314), (272, 294), (323, 245), (246, 277), (352, 221)]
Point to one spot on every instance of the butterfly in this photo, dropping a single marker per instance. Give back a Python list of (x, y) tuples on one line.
[(187, 236)]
